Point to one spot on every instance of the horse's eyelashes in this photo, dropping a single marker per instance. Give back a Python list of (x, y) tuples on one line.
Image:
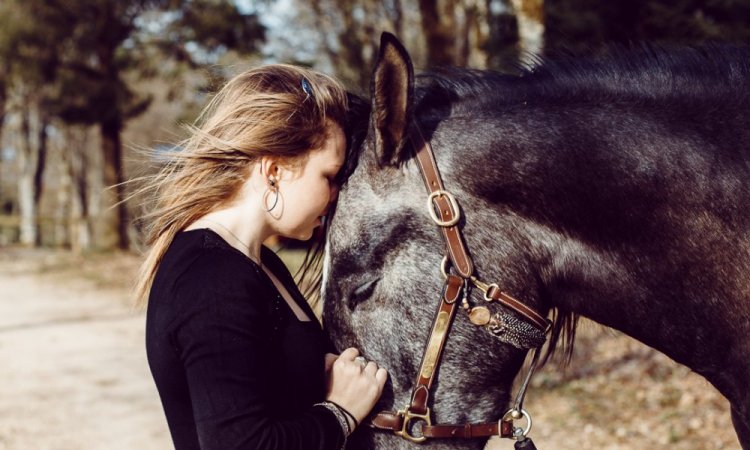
[(362, 292)]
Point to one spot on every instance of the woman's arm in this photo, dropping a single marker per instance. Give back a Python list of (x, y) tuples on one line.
[(223, 341)]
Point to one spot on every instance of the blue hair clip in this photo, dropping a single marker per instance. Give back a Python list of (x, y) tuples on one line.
[(306, 87)]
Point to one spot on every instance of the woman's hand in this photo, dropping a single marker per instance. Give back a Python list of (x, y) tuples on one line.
[(352, 384)]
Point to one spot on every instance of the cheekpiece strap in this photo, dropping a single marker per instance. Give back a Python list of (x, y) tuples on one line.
[(443, 204)]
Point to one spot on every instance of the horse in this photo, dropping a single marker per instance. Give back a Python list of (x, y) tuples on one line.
[(615, 188)]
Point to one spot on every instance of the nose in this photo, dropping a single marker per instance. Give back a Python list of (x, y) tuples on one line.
[(332, 197)]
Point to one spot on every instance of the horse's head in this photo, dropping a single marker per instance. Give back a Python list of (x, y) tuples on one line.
[(382, 272)]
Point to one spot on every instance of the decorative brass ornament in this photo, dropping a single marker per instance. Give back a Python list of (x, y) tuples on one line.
[(433, 348), (479, 315)]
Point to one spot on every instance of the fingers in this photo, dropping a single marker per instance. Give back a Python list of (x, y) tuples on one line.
[(349, 354), (355, 383), (381, 376), (330, 358), (370, 369)]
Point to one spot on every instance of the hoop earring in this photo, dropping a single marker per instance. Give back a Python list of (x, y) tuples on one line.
[(272, 187)]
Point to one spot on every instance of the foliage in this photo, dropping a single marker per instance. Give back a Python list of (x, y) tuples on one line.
[(84, 47), (74, 60), (587, 25)]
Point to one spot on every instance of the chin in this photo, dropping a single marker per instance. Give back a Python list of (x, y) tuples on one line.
[(303, 235)]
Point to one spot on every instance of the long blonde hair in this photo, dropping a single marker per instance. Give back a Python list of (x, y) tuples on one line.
[(277, 110)]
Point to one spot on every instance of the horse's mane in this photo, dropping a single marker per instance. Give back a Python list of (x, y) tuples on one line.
[(643, 74)]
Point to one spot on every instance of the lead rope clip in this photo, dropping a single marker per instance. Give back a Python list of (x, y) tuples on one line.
[(523, 442)]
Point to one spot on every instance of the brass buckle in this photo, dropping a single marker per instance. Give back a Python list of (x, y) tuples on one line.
[(454, 207), (408, 416), (484, 287)]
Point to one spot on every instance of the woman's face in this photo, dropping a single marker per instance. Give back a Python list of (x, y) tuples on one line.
[(307, 193)]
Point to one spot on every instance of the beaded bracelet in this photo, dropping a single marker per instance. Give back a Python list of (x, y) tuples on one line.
[(343, 422), (347, 413)]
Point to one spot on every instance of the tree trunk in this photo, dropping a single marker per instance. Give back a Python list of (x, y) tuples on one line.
[(32, 155), (530, 17), (77, 169), (64, 199), (440, 48), (3, 103), (41, 158), (348, 59), (41, 161), (113, 179), (396, 11), (27, 162)]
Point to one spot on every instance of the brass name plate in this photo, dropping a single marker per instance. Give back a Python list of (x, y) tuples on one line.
[(433, 348)]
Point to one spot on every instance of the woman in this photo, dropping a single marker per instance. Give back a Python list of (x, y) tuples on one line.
[(236, 353)]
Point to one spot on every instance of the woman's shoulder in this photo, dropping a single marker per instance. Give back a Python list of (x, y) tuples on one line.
[(199, 260), (200, 279)]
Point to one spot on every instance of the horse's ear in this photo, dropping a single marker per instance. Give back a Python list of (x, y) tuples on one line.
[(392, 91)]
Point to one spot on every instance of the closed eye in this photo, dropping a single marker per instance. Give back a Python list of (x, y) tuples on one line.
[(362, 292)]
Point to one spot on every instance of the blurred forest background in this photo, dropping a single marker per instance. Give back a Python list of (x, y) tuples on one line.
[(91, 91), (87, 85)]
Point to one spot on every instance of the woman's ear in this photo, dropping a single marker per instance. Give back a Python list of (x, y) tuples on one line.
[(269, 169)]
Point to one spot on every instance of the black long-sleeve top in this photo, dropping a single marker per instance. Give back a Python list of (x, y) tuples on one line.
[(234, 367)]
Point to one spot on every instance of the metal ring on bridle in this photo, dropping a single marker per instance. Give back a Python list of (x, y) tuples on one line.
[(444, 267), (514, 414), (454, 207), (487, 297), (407, 416)]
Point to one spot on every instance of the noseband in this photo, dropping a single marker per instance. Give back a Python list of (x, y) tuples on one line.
[(414, 422)]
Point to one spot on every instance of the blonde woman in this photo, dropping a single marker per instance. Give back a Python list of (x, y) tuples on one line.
[(237, 355)]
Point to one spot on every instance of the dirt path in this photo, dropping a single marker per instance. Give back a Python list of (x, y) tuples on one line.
[(73, 371), (73, 374)]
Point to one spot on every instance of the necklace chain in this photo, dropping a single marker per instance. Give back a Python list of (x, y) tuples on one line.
[(232, 234)]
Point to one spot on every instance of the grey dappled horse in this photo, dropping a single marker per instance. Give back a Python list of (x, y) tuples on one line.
[(616, 189)]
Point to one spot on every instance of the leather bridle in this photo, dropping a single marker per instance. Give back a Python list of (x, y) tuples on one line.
[(414, 422)]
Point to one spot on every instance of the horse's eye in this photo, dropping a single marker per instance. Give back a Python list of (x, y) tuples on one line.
[(362, 292)]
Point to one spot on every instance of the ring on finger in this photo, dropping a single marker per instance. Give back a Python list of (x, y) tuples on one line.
[(361, 361)]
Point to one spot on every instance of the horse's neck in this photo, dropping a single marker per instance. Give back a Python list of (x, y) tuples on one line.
[(685, 290), (639, 217)]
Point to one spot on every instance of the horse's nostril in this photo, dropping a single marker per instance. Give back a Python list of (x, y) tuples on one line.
[(362, 292)]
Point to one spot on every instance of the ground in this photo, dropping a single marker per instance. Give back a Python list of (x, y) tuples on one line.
[(74, 374)]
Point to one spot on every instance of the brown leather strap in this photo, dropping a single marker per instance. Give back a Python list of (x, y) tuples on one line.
[(391, 421), (453, 236), (431, 176), (469, 430), (434, 349), (418, 408), (387, 420), (532, 316)]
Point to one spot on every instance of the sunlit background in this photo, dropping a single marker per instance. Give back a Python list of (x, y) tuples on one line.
[(89, 89)]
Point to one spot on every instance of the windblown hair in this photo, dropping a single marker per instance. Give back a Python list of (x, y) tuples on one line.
[(263, 112)]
